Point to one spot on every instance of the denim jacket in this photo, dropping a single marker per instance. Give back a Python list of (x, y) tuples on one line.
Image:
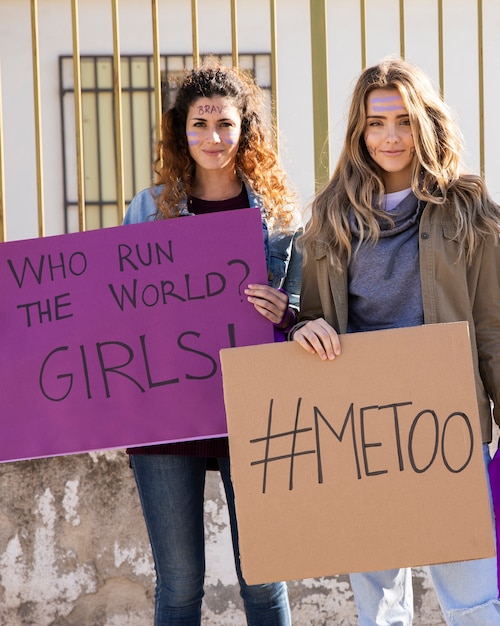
[(283, 260)]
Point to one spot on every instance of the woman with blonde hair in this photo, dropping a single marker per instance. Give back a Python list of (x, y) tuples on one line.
[(402, 236)]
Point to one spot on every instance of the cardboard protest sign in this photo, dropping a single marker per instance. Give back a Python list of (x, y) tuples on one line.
[(111, 338), (371, 461)]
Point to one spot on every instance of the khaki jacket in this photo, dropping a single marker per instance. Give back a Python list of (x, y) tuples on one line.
[(452, 291)]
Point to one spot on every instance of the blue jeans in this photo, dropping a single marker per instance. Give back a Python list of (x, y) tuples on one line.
[(467, 592), (171, 490)]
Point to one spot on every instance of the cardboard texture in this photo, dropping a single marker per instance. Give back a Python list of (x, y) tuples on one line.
[(368, 462)]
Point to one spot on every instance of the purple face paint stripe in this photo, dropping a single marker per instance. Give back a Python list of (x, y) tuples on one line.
[(386, 99), (192, 138), (394, 107)]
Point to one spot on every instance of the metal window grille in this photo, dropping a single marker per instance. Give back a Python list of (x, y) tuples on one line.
[(99, 133)]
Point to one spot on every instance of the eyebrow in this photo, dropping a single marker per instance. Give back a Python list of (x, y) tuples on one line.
[(380, 116), (204, 119)]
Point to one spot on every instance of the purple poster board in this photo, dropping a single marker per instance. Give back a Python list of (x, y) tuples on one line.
[(494, 474), (111, 338)]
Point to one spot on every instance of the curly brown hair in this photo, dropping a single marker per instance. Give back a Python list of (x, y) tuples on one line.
[(256, 159)]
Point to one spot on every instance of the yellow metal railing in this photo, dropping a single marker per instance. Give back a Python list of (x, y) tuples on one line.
[(274, 70), (318, 10), (117, 93), (319, 59), (194, 29), (441, 45), (480, 45), (156, 67), (38, 117), (234, 33), (3, 230), (80, 174)]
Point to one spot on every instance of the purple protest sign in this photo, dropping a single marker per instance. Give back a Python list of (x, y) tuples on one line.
[(494, 474), (111, 338)]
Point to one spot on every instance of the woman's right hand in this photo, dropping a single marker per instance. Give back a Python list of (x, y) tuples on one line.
[(318, 337)]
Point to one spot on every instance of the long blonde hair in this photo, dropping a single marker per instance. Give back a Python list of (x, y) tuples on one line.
[(357, 183), (256, 159)]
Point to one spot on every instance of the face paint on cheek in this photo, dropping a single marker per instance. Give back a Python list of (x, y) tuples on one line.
[(192, 138), (232, 138)]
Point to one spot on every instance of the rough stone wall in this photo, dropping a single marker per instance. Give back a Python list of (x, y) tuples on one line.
[(74, 551)]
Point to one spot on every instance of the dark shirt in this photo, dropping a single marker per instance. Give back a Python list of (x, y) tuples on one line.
[(209, 448)]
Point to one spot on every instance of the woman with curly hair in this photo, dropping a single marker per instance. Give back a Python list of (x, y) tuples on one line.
[(214, 155), (402, 236)]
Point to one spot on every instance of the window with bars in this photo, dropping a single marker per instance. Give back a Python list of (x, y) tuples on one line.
[(138, 124)]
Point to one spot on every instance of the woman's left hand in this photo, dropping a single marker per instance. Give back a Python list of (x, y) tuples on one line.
[(269, 302)]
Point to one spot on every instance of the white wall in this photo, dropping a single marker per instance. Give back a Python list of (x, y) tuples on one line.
[(294, 64), (135, 37)]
